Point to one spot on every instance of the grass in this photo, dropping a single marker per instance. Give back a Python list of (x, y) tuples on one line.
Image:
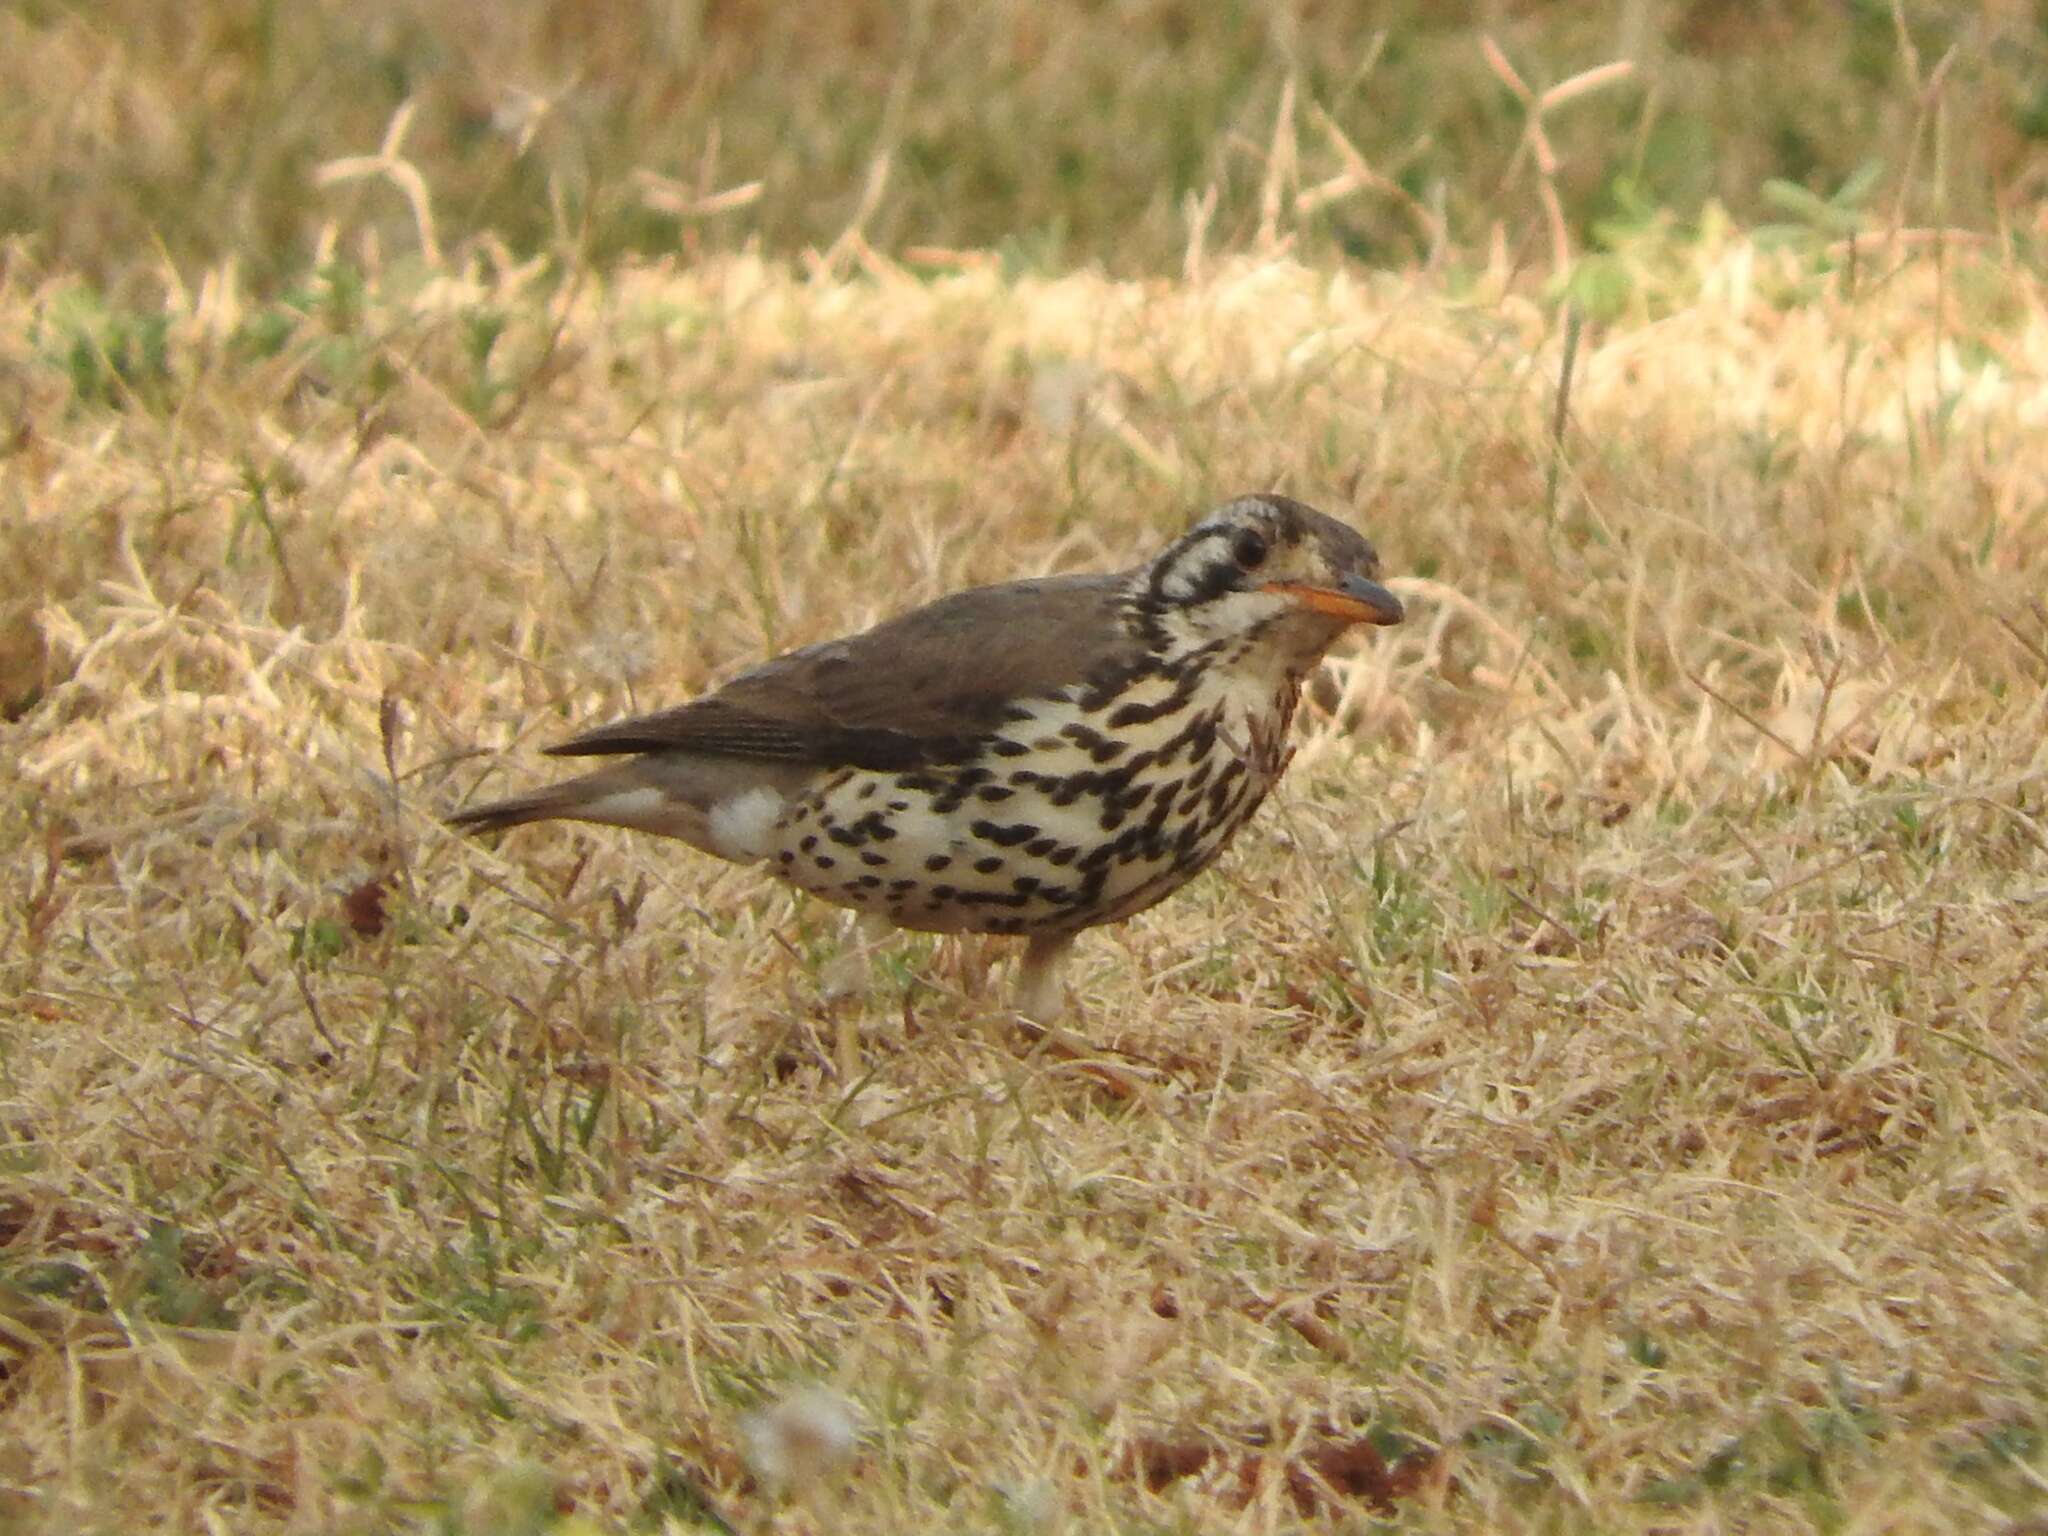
[(1602, 1092), (246, 132), (1606, 1086)]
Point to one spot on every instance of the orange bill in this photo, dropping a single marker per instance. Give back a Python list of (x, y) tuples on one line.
[(1354, 600)]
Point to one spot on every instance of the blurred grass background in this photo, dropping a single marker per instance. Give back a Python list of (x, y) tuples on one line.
[(139, 133)]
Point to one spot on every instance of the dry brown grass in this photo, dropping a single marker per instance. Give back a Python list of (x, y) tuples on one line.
[(1610, 1074)]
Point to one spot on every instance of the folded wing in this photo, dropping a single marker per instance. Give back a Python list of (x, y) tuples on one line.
[(914, 692)]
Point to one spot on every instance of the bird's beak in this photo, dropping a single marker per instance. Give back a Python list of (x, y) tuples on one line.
[(1354, 600)]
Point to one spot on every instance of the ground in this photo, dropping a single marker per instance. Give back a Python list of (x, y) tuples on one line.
[(1602, 1091)]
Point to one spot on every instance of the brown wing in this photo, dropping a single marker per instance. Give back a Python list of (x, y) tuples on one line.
[(914, 691)]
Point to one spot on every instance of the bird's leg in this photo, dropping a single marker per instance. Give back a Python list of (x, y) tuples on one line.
[(1041, 991), (845, 975), (1042, 998), (847, 971)]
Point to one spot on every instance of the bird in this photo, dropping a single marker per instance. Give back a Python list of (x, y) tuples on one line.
[(1033, 758)]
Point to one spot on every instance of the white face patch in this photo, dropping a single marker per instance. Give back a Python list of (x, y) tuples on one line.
[(1228, 617), (741, 824)]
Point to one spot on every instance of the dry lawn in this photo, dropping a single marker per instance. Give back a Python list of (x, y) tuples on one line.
[(1603, 1092)]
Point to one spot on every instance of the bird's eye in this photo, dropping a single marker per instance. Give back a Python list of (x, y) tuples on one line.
[(1250, 549)]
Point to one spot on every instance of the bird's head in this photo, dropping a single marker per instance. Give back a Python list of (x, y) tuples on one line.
[(1263, 570)]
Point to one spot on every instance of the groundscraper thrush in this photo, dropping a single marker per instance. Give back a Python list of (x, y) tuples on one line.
[(1032, 758)]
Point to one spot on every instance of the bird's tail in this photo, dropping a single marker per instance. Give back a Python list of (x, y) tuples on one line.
[(540, 805), (624, 795)]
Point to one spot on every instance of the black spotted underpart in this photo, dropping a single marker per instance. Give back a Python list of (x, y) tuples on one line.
[(1082, 808)]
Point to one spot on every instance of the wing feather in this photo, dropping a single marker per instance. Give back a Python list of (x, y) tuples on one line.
[(912, 692)]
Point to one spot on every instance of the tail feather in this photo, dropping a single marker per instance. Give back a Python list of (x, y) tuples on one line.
[(622, 796), (497, 815), (710, 802)]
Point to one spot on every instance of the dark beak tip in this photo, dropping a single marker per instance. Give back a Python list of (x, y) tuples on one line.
[(1386, 607)]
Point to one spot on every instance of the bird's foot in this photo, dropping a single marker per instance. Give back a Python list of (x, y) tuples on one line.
[(1041, 1001)]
